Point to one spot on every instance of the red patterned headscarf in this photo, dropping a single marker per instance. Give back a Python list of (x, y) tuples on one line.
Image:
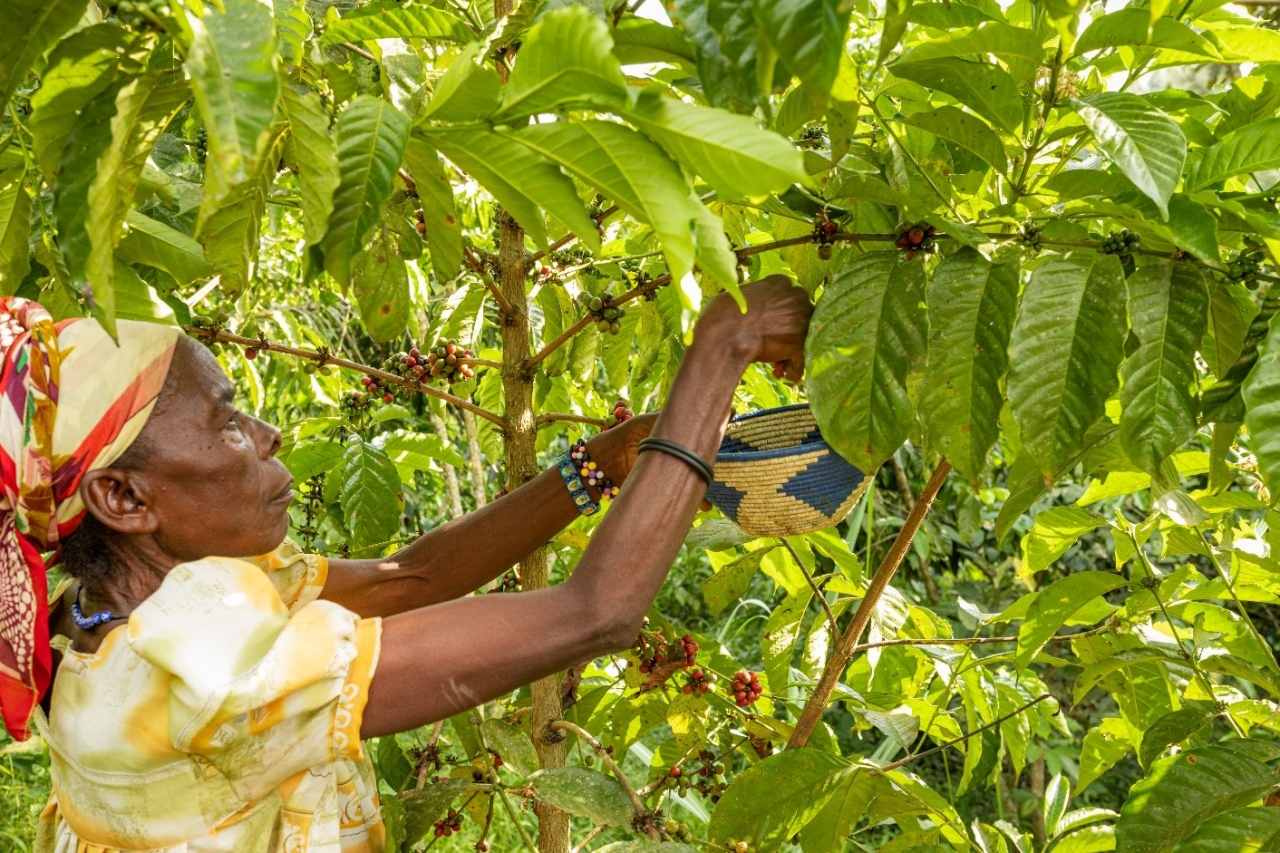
[(72, 400)]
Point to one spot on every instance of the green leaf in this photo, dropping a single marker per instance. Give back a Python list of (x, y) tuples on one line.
[(635, 173), (1146, 145), (380, 284), (312, 458), (897, 13), (316, 156), (987, 89), (808, 36), (1252, 148), (386, 19), (970, 133), (1057, 603), (31, 28), (135, 299), (233, 75), (144, 107), (1255, 829), (369, 493), (1100, 749), (566, 58), (868, 331), (372, 136), (1231, 309), (1173, 728), (425, 806), (512, 744), (731, 582), (637, 39), (585, 793), (730, 152), (829, 828), (1091, 839), (1054, 532), (415, 451), (796, 784), (972, 303), (522, 182), (992, 37), (150, 242), (1168, 310), (1261, 392), (439, 215), (79, 69), (1133, 26), (469, 91), (1056, 797), (15, 229), (89, 137), (1066, 345), (1182, 793)]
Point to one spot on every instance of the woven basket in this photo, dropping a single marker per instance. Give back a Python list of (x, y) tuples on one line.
[(776, 476)]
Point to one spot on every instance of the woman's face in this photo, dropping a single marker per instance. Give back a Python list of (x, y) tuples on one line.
[(210, 479)]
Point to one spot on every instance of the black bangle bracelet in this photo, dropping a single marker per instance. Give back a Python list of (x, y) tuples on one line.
[(682, 453)]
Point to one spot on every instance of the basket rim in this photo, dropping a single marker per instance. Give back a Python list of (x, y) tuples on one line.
[(746, 416), (746, 456)]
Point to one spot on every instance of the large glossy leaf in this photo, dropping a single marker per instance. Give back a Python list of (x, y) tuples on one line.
[(380, 284), (513, 745), (796, 784), (992, 37), (469, 91), (385, 19), (1144, 143), (79, 69), (30, 28), (1173, 728), (372, 136), (833, 823), (897, 14), (1249, 830), (868, 331), (1057, 603), (1261, 392), (316, 155), (584, 792), (637, 39), (1066, 346), (969, 132), (1133, 26), (1054, 532), (522, 182), (89, 137), (808, 36), (731, 152), (416, 451), (233, 75), (987, 89), (1100, 749), (1252, 148), (1168, 310), (567, 57), (635, 173), (151, 242), (1183, 792), (972, 303), (730, 583), (439, 215), (424, 807), (144, 108), (369, 493), (15, 229)]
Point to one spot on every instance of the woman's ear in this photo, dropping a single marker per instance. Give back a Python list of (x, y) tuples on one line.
[(119, 499)]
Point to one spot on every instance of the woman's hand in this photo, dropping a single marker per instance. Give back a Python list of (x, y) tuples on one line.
[(772, 330), (616, 448)]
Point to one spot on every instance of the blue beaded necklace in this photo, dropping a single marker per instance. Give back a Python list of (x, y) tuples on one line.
[(88, 623)]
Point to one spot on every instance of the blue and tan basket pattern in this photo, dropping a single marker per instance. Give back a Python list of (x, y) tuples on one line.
[(776, 476)]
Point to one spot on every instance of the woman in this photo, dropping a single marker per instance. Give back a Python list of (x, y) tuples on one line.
[(209, 701)]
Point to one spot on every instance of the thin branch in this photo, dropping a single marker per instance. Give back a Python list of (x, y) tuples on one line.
[(504, 305), (511, 812), (904, 489), (1009, 716), (831, 617), (607, 759), (843, 652), (552, 417), (589, 837), (569, 238), (359, 51), (324, 358)]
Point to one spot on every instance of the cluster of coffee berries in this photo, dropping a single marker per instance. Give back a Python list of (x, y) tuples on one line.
[(138, 14), (420, 223), (510, 582), (621, 413), (737, 846), (1245, 266), (210, 321), (495, 758), (544, 273), (679, 831), (443, 361), (709, 777), (654, 650), (608, 319), (824, 234), (201, 146), (813, 136), (746, 688), (313, 509), (697, 681), (375, 388), (1121, 243), (1028, 237), (355, 401), (449, 824), (918, 237)]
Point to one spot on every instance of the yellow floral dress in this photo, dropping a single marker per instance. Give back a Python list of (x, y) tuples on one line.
[(225, 718)]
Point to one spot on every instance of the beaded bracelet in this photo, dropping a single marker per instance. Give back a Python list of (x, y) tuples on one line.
[(578, 466), (581, 499)]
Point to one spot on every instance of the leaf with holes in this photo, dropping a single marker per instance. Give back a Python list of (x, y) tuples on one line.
[(731, 582), (972, 304), (1065, 348), (867, 333), (1144, 143), (380, 284)]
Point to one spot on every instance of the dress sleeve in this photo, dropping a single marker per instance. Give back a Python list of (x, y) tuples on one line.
[(298, 577), (257, 691)]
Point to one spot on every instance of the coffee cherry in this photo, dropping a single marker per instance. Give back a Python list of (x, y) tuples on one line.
[(674, 773), (746, 688), (251, 354)]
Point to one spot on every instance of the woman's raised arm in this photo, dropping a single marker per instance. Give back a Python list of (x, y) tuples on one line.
[(440, 660)]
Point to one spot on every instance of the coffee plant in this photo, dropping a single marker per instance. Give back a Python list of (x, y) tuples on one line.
[(441, 240)]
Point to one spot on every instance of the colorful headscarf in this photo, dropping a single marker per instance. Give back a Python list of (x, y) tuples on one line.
[(71, 400)]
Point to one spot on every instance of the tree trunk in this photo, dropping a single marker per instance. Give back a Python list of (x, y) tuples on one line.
[(450, 473), (522, 466), (474, 458)]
